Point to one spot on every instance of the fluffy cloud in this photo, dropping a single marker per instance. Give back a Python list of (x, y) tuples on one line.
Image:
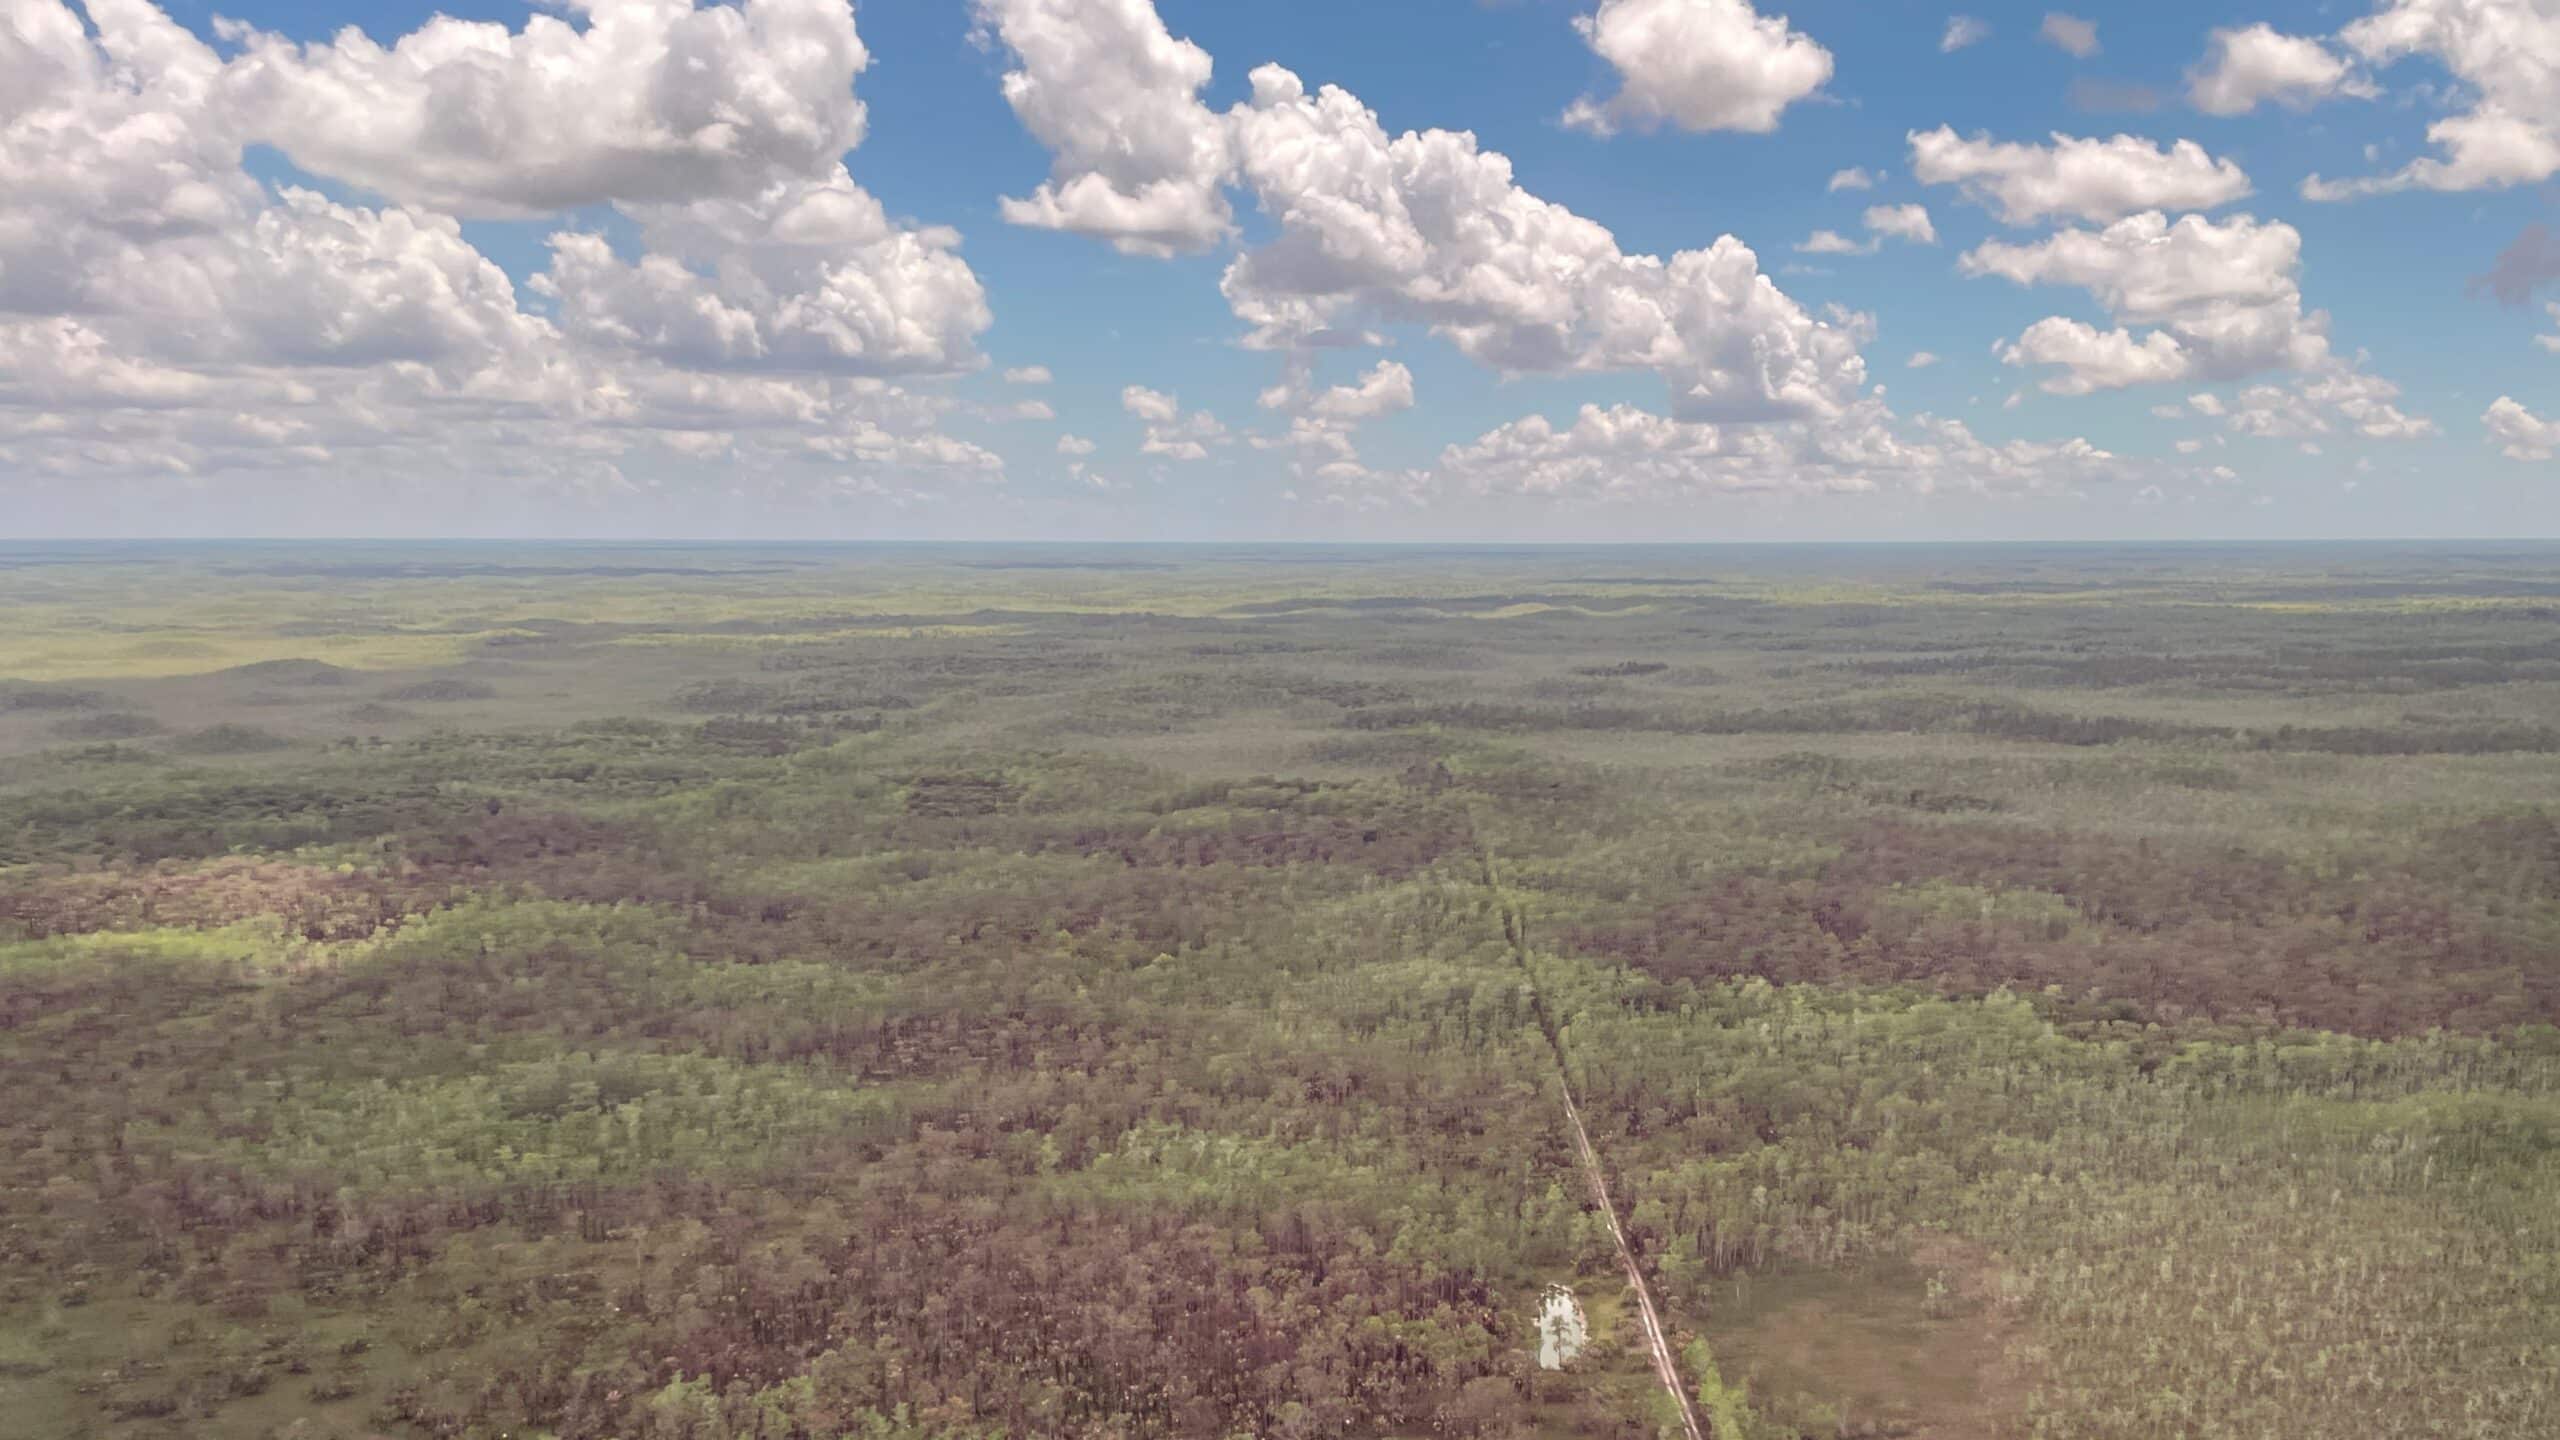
[(1696, 64), (178, 317), (2245, 67), (648, 101), (2223, 296), (106, 147), (1170, 433), (1853, 178), (2092, 359), (306, 282), (2075, 178), (1028, 375), (1320, 433), (1137, 159), (128, 209), (2332, 398), (2329, 399), (2149, 270), (1153, 406), (1368, 228), (1621, 452), (1902, 222), (1422, 228), (1832, 242), (2070, 34), (1425, 227), (1920, 360), (810, 276), (2518, 433), (2507, 53), (60, 361), (1183, 444), (1961, 31), (872, 445), (1386, 389), (1072, 444)]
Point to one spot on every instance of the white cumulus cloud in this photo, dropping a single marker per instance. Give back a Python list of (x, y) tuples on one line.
[(2244, 68), (648, 101), (2331, 398), (1153, 406), (2518, 433), (2075, 178), (1902, 222), (1171, 434), (1322, 423), (1697, 65), (2222, 295), (808, 276), (171, 314), (2092, 359), (1427, 227), (1624, 453), (2506, 53), (1363, 228), (1832, 242), (1384, 390), (1138, 159)]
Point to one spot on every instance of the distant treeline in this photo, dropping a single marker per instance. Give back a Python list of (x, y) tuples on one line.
[(1924, 714)]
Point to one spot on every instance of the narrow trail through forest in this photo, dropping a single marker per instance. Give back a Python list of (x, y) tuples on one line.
[(1515, 930)]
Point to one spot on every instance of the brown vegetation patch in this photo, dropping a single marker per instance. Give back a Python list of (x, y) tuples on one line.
[(314, 903), (441, 690), (2166, 934), (105, 725), (2513, 854), (228, 739), (1079, 1317), (950, 796), (1919, 1351), (518, 842), (1382, 847)]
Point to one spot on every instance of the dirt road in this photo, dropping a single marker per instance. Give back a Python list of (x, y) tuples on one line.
[(1657, 1341)]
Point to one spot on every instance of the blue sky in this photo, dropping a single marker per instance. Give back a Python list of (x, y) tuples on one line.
[(2409, 329)]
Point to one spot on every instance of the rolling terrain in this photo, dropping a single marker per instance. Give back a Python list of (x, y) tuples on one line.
[(698, 993)]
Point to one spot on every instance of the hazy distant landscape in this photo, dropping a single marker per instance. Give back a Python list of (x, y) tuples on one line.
[(1180, 720), (901, 991)]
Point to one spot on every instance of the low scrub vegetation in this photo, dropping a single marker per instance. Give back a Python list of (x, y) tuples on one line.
[(919, 998)]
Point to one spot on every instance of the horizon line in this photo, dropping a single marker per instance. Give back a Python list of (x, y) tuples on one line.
[(1268, 543)]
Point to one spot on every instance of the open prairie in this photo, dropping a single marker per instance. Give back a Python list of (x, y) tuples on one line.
[(770, 991)]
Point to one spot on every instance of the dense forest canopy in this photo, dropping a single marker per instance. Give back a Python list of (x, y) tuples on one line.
[(791, 993)]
